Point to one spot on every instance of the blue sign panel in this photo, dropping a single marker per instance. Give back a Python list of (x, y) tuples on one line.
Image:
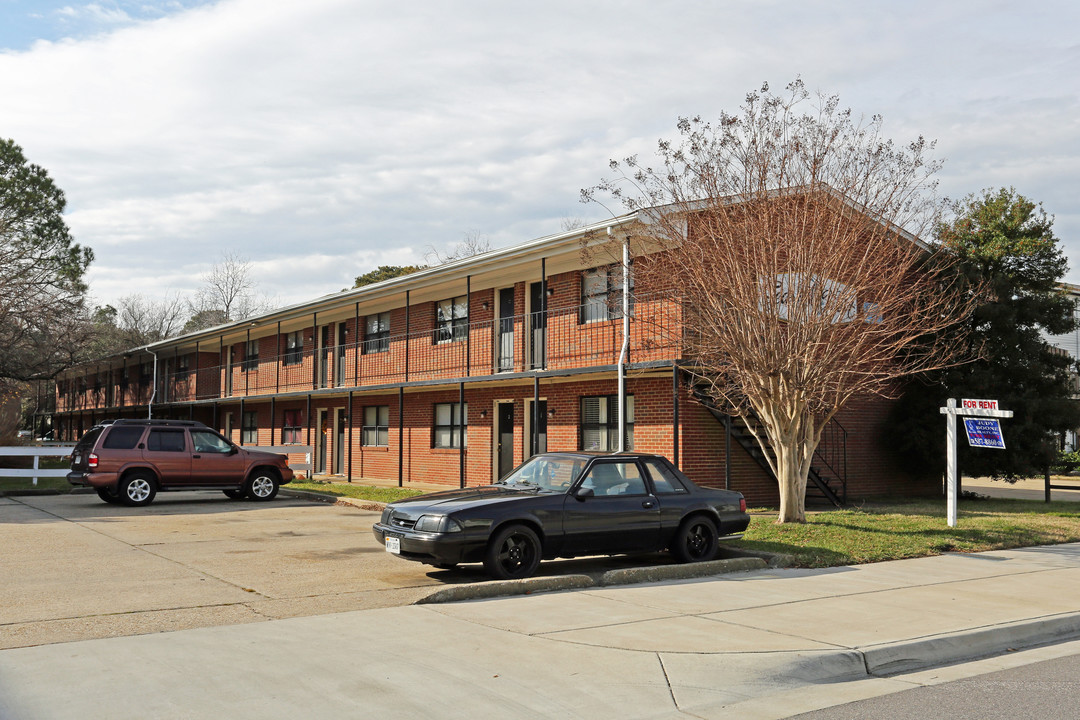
[(984, 432)]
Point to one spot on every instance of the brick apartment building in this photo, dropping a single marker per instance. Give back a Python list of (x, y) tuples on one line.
[(457, 373)]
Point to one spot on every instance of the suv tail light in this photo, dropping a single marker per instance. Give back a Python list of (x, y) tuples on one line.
[(91, 460), (742, 501)]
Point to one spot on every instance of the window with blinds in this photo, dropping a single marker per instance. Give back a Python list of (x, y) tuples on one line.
[(600, 423)]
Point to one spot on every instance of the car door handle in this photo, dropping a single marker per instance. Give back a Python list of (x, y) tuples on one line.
[(196, 456), (647, 504)]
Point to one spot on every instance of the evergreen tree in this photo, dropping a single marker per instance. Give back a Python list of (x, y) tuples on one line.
[(1009, 256)]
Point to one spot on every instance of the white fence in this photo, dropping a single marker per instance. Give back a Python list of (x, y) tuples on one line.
[(37, 453)]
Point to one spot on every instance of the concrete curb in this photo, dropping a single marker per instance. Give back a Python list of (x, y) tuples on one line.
[(506, 588), (333, 500), (908, 655), (657, 573), (624, 576)]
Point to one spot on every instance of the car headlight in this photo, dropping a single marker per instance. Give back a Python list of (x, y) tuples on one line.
[(437, 524)]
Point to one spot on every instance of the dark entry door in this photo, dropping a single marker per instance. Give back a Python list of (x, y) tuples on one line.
[(538, 442), (339, 443), (506, 438), (339, 355), (320, 443), (324, 354), (506, 329)]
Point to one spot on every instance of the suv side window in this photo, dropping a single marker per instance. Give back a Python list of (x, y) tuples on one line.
[(166, 441), (122, 438), (206, 441)]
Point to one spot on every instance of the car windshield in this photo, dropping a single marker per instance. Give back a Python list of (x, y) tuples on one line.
[(555, 474)]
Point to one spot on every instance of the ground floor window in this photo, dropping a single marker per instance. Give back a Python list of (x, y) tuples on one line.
[(249, 428), (448, 425), (291, 427), (600, 423), (376, 431)]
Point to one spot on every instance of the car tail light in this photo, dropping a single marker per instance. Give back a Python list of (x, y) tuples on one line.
[(742, 504), (91, 461)]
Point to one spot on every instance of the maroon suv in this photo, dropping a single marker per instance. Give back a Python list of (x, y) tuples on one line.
[(129, 461)]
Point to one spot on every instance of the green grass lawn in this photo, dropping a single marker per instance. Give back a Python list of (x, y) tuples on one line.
[(913, 528)]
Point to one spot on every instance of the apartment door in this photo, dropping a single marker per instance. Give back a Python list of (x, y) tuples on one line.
[(536, 443), (324, 354), (320, 442), (340, 423), (506, 330), (504, 438), (537, 326), (339, 355), (228, 371)]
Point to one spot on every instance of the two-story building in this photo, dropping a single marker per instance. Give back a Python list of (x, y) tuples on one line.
[(455, 374)]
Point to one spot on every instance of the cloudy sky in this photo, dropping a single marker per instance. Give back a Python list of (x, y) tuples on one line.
[(321, 138)]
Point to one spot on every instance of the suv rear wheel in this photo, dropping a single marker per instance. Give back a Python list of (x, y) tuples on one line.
[(138, 489), (262, 485)]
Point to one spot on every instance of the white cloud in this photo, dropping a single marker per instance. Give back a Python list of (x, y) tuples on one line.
[(321, 136)]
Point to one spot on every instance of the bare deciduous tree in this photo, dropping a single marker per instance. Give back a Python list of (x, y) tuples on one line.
[(142, 320), (472, 243), (228, 294), (789, 236)]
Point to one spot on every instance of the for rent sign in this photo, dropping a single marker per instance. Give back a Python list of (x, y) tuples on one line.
[(979, 404)]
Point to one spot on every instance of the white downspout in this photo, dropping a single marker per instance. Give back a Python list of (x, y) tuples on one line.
[(153, 389), (625, 339)]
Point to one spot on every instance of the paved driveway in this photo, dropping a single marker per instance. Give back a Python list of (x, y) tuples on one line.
[(76, 568)]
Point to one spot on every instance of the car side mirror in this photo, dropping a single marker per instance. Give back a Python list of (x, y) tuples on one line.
[(584, 492), (233, 450)]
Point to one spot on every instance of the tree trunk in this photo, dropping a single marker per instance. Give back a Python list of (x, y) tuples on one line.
[(791, 480)]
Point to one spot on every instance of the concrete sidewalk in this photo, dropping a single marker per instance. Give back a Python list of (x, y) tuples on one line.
[(766, 643)]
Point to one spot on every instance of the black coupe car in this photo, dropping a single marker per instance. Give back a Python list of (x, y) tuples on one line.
[(564, 505)]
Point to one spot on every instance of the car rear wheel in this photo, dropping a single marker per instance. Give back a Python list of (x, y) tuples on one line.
[(514, 552), (696, 540), (262, 485), (108, 496), (138, 489), (235, 494)]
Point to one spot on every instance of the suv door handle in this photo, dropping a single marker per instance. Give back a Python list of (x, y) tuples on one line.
[(646, 504), (196, 456)]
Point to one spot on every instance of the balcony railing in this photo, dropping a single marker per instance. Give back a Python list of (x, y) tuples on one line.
[(558, 339)]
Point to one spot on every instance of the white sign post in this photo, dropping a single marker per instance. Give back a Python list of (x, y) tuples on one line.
[(969, 408)]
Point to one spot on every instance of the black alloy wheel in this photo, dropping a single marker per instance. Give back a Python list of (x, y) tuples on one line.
[(697, 540), (514, 552)]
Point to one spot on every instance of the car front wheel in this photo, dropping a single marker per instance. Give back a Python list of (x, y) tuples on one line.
[(138, 489), (696, 540), (514, 552), (262, 485)]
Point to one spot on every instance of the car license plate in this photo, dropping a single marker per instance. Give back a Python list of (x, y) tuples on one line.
[(75, 460), (393, 545)]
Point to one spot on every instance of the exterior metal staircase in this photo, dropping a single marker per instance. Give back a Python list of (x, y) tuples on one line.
[(827, 480)]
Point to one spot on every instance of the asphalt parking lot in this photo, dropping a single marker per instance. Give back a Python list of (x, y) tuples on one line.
[(75, 568)]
